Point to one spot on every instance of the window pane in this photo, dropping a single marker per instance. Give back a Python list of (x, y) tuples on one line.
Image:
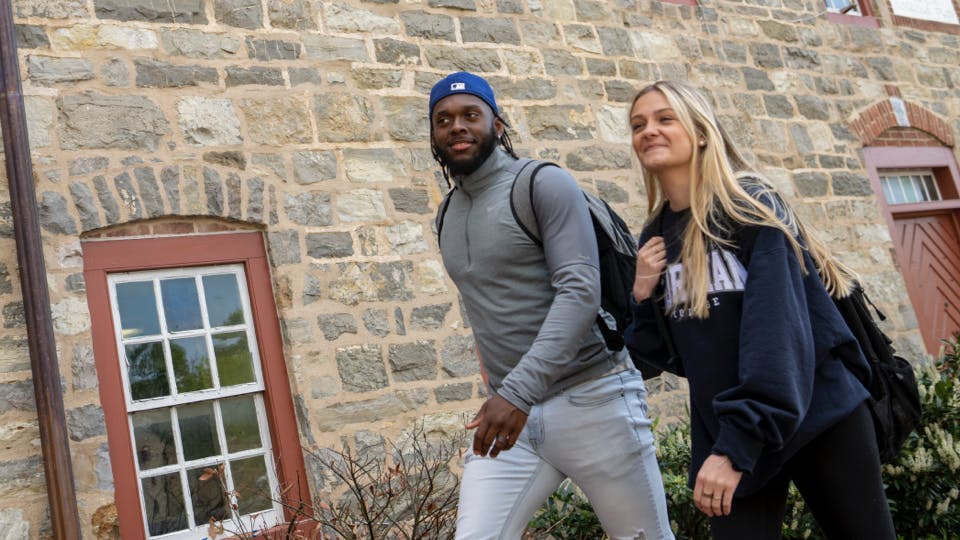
[(153, 437), (138, 309), (181, 304), (207, 494), (932, 187), (234, 362), (163, 502), (223, 300), (191, 365), (198, 431), (240, 423), (146, 371), (251, 483)]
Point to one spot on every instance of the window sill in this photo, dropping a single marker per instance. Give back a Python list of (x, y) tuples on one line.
[(853, 20)]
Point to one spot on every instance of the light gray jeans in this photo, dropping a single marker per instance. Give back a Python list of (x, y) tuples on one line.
[(597, 434)]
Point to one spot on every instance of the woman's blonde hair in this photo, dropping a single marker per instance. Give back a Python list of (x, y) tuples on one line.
[(720, 202)]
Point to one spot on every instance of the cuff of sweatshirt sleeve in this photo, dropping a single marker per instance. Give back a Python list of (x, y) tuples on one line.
[(742, 449), (514, 399)]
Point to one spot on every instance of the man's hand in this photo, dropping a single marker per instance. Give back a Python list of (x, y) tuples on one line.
[(498, 425), (716, 482), (651, 260)]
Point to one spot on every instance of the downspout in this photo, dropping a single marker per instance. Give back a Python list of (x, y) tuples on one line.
[(54, 442)]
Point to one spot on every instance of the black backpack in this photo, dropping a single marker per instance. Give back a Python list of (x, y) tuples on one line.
[(616, 246), (894, 400)]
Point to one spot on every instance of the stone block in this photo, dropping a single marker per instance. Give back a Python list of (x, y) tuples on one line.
[(309, 209), (428, 25), (21, 476), (612, 192), (559, 62), (372, 282), (331, 48), (329, 244), (361, 368), (48, 70), (466, 5), (413, 361), (343, 18), (376, 79), (581, 37), (300, 76), (310, 167), (848, 184), (14, 352), (234, 159), (335, 325), (256, 75), (334, 416), (85, 422), (489, 30), (766, 55), (453, 392), (153, 11), (560, 122), (459, 357), (115, 72), (31, 36), (810, 184), (155, 74), (343, 117), (406, 238), (374, 164), (54, 216), (410, 201), (277, 121), (239, 13), (430, 317), (462, 59), (272, 49), (778, 106), (198, 44), (375, 321), (594, 158), (16, 395), (813, 107), (798, 58), (208, 121), (291, 14), (599, 67), (615, 41), (284, 247), (86, 206), (396, 52), (360, 205)]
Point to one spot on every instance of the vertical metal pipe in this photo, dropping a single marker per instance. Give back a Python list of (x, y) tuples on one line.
[(36, 298)]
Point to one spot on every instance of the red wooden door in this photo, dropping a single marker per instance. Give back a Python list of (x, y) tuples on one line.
[(928, 247)]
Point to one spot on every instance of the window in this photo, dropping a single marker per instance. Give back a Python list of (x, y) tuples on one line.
[(181, 326), (852, 12), (846, 7), (904, 187)]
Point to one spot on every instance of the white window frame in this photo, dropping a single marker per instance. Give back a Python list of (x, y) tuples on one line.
[(923, 197), (857, 10), (170, 403)]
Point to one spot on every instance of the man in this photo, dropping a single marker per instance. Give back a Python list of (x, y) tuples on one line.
[(561, 404)]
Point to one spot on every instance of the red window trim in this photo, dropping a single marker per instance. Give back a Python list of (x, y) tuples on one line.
[(865, 19), (103, 257), (878, 158)]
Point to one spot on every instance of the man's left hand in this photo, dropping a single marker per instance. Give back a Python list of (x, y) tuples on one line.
[(498, 425)]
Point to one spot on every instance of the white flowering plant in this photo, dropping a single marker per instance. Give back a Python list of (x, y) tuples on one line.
[(923, 482)]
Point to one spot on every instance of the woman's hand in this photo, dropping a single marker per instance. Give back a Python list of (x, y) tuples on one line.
[(716, 482), (651, 260)]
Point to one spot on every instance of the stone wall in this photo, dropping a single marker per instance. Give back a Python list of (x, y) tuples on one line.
[(307, 120)]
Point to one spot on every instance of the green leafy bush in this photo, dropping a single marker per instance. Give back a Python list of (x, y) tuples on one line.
[(923, 482)]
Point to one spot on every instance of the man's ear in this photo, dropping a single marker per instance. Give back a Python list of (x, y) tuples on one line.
[(499, 126)]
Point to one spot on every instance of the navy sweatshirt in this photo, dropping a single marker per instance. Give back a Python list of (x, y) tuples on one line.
[(764, 370)]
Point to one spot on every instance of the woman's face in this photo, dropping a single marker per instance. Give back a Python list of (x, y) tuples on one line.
[(659, 139)]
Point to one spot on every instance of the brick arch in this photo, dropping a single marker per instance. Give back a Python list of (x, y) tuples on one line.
[(895, 122), (163, 199)]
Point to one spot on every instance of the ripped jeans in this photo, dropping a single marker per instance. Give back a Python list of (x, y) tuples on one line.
[(596, 433)]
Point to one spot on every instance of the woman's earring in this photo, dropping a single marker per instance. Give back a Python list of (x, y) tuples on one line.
[(703, 142)]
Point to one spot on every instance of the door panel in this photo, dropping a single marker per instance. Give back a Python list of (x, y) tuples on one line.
[(928, 248)]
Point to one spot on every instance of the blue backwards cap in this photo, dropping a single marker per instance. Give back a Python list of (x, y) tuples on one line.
[(462, 82)]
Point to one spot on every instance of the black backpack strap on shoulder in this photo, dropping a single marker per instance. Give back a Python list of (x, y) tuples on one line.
[(659, 308), (442, 212), (521, 197)]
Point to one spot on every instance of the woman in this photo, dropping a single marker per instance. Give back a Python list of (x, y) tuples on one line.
[(774, 373)]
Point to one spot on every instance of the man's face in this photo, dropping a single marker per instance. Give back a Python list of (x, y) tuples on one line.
[(465, 132)]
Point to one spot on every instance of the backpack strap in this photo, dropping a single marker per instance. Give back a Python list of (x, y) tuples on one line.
[(442, 212), (659, 308), (521, 197)]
